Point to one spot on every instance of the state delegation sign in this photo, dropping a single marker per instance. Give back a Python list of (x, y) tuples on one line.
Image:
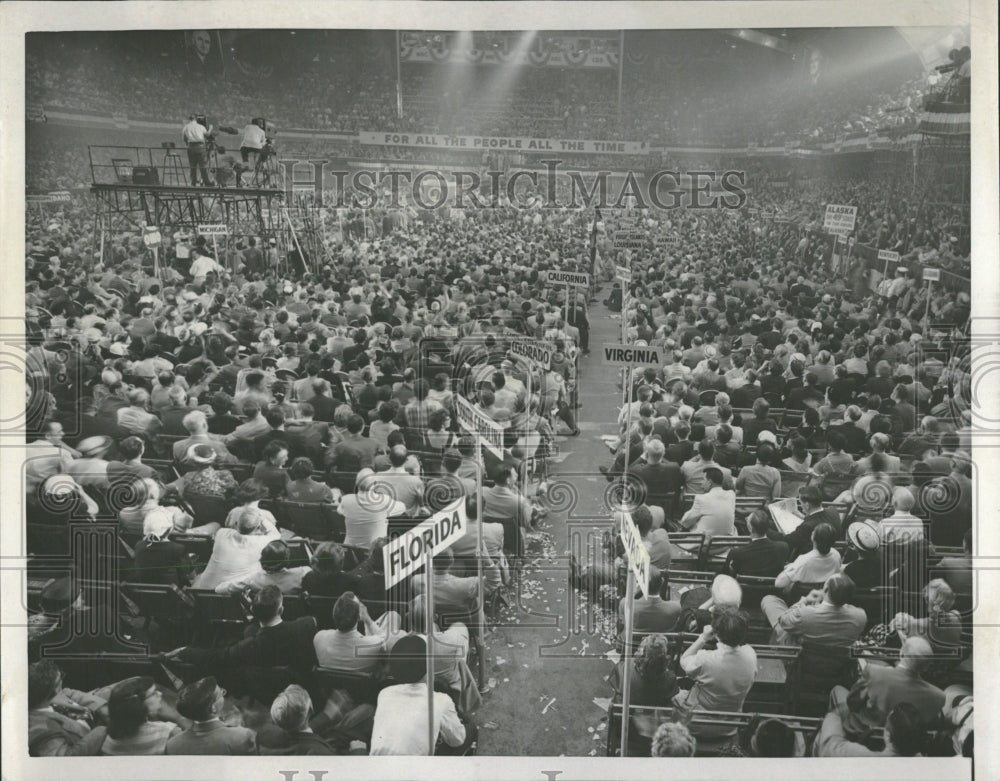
[(538, 352), (638, 556), (482, 425), (567, 278), (839, 219), (631, 355), (407, 552)]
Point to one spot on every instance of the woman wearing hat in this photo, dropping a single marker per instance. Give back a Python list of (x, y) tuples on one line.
[(248, 496), (131, 520), (862, 560), (157, 558), (205, 479)]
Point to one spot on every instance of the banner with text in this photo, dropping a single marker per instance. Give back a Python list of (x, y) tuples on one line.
[(502, 143)]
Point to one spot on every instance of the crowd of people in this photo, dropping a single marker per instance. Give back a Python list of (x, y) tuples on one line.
[(255, 437), (336, 93)]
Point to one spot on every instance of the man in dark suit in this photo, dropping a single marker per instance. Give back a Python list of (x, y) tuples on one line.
[(761, 557), (323, 403), (308, 437), (799, 541), (805, 395), (650, 612), (662, 479), (294, 728), (275, 418), (202, 702), (683, 449), (879, 689), (267, 643)]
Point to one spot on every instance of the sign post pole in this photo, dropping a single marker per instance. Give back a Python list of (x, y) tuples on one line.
[(156, 262), (638, 574), (627, 659), (100, 257), (566, 305), (931, 275), (927, 304), (429, 607), (628, 425)]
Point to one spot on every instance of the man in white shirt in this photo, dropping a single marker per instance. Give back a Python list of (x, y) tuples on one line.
[(815, 566), (713, 512), (254, 139), (202, 265), (902, 526), (344, 647), (194, 135), (401, 725)]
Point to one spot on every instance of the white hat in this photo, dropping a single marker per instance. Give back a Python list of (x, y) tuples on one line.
[(767, 436), (157, 523), (197, 329)]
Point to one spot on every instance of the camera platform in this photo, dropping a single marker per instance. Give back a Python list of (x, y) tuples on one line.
[(135, 188)]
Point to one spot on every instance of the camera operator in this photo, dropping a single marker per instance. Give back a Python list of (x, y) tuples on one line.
[(254, 140), (195, 136)]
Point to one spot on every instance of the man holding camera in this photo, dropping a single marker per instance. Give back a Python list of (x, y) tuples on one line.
[(254, 140), (195, 136)]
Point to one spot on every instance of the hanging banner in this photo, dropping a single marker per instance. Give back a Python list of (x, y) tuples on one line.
[(499, 48), (499, 143)]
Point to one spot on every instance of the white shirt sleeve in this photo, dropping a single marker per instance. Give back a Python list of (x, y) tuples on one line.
[(452, 729)]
